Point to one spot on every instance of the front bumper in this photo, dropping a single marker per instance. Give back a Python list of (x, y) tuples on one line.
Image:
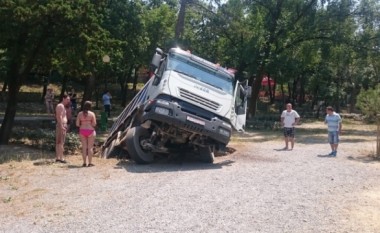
[(189, 118)]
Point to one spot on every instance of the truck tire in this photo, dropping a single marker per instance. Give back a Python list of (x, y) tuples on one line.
[(133, 138), (206, 154)]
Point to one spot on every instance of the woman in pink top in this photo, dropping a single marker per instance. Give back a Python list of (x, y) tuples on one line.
[(86, 121)]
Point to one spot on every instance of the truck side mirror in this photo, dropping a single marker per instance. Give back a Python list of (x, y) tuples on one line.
[(156, 60), (248, 91)]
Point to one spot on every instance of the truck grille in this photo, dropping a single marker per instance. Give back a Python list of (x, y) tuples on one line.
[(198, 99)]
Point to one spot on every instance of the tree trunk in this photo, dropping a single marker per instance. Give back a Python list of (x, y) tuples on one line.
[(44, 90), (302, 91), (3, 90), (378, 139), (267, 53), (88, 89), (17, 76), (290, 94), (10, 111), (123, 82), (273, 98), (282, 94), (14, 83), (295, 97), (63, 87), (336, 100), (179, 28), (353, 98), (256, 85), (294, 92), (135, 77)]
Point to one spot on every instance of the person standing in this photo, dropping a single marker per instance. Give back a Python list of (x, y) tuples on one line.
[(334, 128), (289, 118), (107, 102), (69, 115), (49, 101), (73, 99), (86, 121), (61, 128)]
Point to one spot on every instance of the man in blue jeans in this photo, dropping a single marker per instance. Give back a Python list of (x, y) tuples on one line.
[(107, 102), (334, 128)]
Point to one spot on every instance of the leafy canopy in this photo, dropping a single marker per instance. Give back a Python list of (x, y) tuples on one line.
[(369, 101)]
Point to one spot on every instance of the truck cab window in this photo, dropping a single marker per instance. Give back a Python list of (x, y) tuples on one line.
[(200, 72)]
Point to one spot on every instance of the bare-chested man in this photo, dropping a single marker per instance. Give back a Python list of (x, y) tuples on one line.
[(61, 128)]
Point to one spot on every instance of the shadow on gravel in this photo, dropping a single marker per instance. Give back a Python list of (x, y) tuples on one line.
[(326, 156), (364, 159), (170, 165), (311, 139), (322, 139), (360, 133), (304, 135)]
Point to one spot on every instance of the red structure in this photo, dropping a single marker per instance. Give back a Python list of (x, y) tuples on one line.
[(267, 82)]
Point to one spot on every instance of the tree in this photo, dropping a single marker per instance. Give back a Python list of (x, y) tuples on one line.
[(328, 49), (125, 24), (369, 102), (34, 31), (180, 25)]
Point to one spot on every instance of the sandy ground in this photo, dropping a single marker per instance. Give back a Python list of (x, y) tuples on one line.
[(258, 188)]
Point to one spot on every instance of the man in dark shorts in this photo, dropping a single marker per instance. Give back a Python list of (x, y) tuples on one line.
[(289, 118)]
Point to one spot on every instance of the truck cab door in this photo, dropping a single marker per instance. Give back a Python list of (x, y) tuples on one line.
[(239, 110)]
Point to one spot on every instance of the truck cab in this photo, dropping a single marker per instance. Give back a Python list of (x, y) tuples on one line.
[(189, 104)]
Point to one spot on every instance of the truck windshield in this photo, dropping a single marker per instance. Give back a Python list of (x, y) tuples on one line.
[(200, 72)]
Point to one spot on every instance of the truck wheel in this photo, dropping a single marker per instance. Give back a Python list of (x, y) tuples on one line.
[(112, 151), (206, 154), (133, 138)]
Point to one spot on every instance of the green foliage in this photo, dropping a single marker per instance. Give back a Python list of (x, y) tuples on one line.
[(159, 26), (369, 101), (328, 50), (45, 139)]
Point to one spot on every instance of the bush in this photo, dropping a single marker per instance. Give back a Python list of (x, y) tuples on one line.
[(44, 139), (369, 102)]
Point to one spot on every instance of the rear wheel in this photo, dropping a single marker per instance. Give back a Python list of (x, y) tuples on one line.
[(133, 141), (206, 154)]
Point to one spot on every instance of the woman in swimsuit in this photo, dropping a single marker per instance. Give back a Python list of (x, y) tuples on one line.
[(86, 121)]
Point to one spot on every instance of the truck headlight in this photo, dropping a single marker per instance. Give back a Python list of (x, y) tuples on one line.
[(163, 102), (162, 111), (224, 132)]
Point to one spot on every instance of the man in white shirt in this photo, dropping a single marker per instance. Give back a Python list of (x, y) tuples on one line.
[(289, 118), (334, 128)]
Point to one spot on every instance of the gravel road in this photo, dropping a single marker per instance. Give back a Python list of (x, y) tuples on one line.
[(258, 188)]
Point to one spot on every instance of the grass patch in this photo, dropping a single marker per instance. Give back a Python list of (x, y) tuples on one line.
[(33, 144), (44, 139), (22, 152), (310, 131)]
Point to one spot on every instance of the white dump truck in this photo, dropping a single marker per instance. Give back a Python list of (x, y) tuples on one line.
[(189, 105)]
